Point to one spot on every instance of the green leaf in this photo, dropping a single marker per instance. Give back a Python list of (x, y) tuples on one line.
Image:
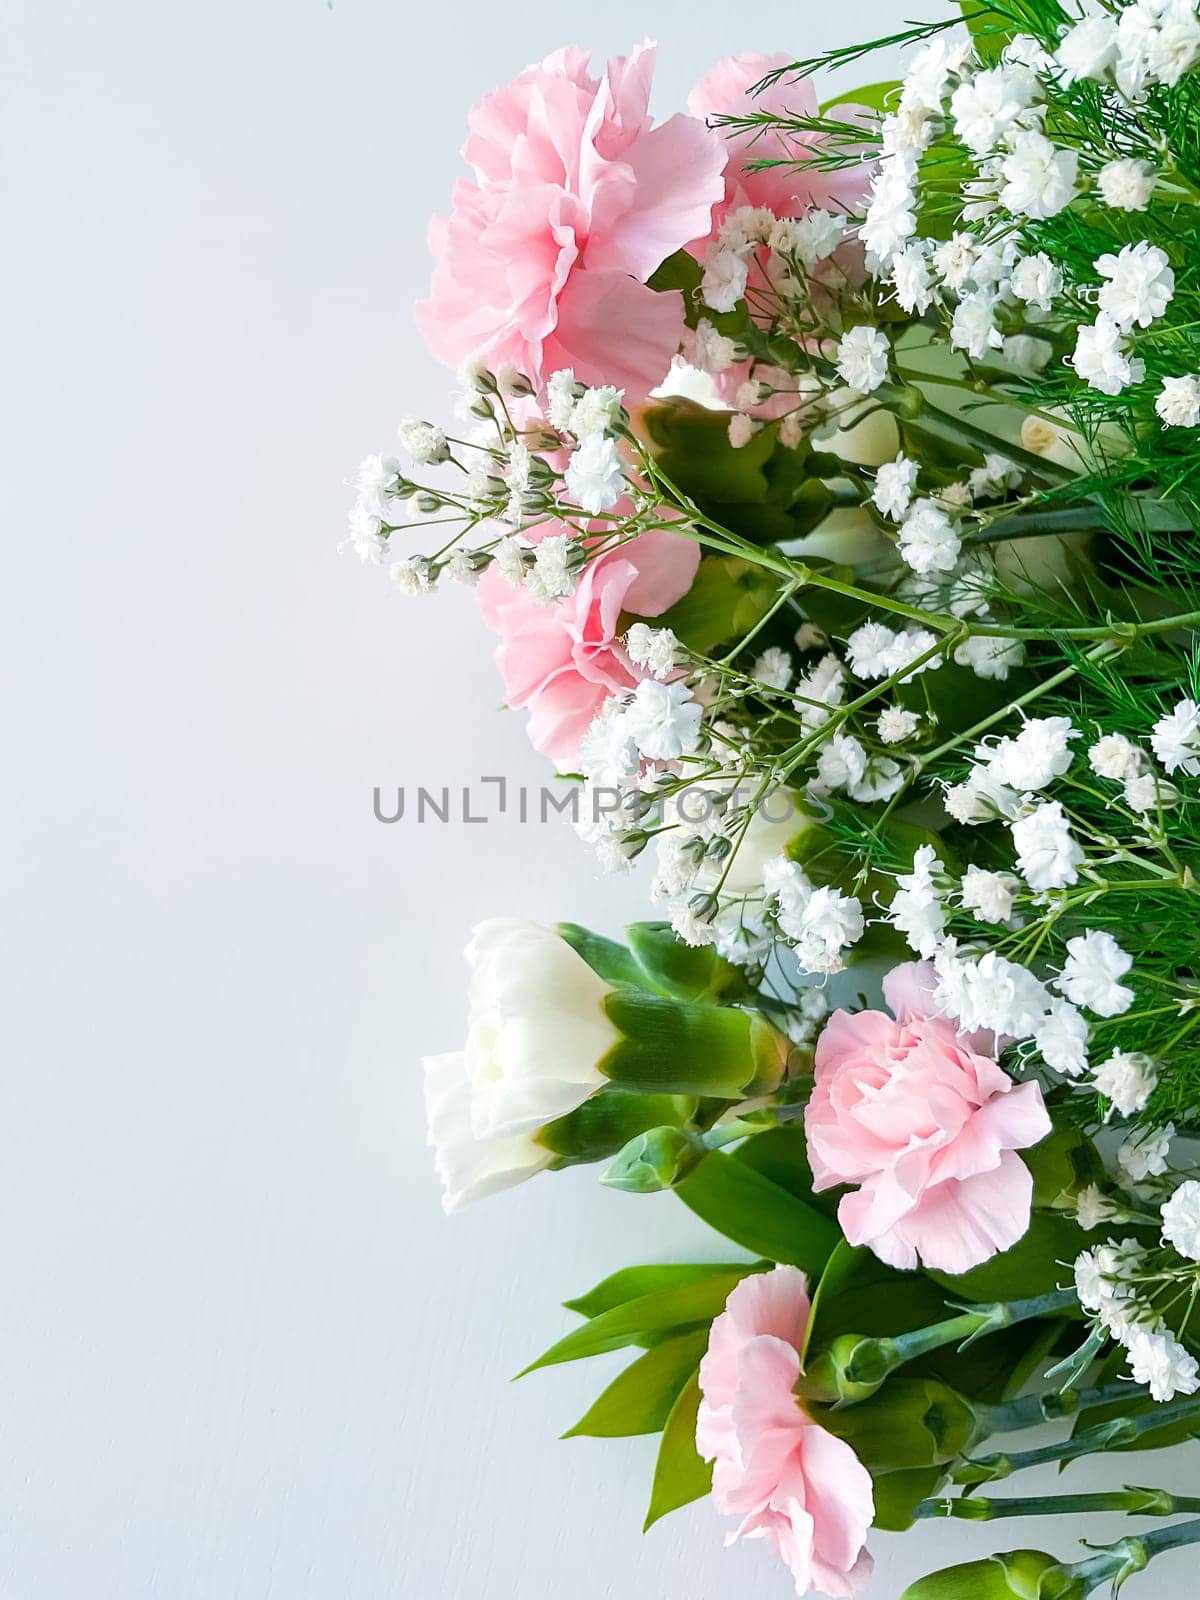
[(607, 959), (727, 598), (684, 1307), (641, 1398), (872, 95), (683, 272), (691, 972), (898, 1494), (680, 1476), (758, 1214), (634, 1283), (780, 1154)]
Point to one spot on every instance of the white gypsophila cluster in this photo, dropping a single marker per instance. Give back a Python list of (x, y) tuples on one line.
[(377, 480), (656, 650), (787, 250), (1126, 1288), (1150, 42), (820, 923), (595, 475), (980, 275)]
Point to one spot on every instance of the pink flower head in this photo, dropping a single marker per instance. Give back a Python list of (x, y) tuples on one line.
[(564, 661), (785, 190), (577, 199), (926, 1125), (791, 1481)]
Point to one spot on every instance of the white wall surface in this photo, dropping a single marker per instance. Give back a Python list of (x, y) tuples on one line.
[(243, 1356)]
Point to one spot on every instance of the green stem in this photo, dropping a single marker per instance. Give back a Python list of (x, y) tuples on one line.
[(1032, 1409), (1135, 1502), (1113, 1435), (854, 1366)]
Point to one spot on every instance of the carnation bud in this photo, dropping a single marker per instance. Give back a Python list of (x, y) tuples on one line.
[(1013, 1575), (654, 1160)]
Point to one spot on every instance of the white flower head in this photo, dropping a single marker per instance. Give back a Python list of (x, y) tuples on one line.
[(425, 444), (1139, 285), (655, 649), (912, 278), (411, 575), (1127, 185), (773, 668), (1160, 1362), (562, 391), (990, 656), (1181, 1220), (742, 429), (595, 477), (1092, 1207), (509, 557), (1116, 757), (1033, 758), (973, 326), (664, 719), (986, 106), (1089, 50), (1145, 1154), (726, 272), (1048, 857), (841, 761), (1178, 402), (929, 540), (896, 724), (1101, 358), (557, 562), (989, 895), (917, 910), (1175, 739), (1128, 1079), (1095, 961), (1061, 1039), (596, 411), (1039, 179), (894, 485), (862, 358)]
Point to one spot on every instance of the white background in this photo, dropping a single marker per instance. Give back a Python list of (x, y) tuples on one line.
[(242, 1353)]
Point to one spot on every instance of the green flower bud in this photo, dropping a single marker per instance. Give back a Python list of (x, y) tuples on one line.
[(1013, 1575), (691, 1047), (612, 1121), (911, 1422), (851, 1369), (654, 1160)]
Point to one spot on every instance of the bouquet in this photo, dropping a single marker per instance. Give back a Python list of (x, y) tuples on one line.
[(828, 466)]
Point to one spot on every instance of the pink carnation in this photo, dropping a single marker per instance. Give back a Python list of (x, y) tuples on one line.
[(577, 199), (786, 191), (564, 661), (926, 1125), (791, 1481)]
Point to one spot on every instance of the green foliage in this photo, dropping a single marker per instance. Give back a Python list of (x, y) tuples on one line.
[(757, 1214), (681, 1307), (680, 1476), (642, 1398)]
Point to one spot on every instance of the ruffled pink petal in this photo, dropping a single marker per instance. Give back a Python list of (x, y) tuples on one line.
[(612, 329), (959, 1225), (676, 178), (666, 566)]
